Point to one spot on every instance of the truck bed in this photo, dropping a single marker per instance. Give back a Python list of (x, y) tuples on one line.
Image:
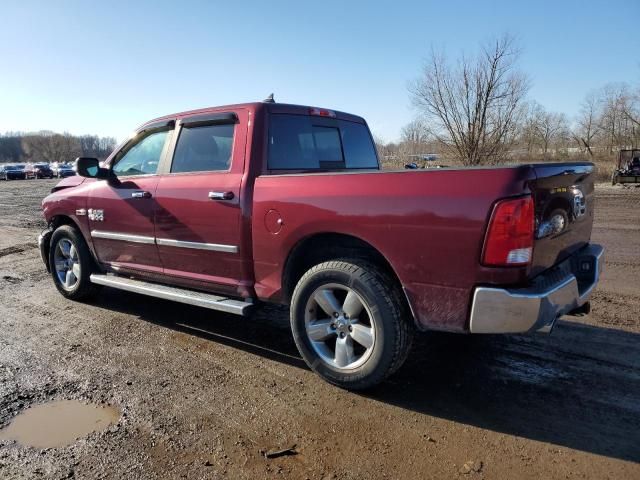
[(428, 224)]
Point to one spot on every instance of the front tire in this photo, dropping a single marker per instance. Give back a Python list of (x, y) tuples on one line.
[(71, 264), (350, 323)]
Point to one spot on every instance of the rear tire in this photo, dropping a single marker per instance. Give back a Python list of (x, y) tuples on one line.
[(71, 264), (356, 350)]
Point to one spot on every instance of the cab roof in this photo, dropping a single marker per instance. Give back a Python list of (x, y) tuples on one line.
[(256, 107)]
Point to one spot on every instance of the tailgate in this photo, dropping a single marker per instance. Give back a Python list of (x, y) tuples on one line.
[(564, 200)]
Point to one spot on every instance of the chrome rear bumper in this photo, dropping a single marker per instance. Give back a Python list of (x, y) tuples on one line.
[(557, 292)]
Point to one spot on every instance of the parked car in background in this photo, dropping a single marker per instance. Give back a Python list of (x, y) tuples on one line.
[(65, 170), (42, 170), (14, 172), (29, 171), (229, 207), (55, 167)]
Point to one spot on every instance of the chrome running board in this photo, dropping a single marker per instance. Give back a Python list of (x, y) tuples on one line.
[(199, 299)]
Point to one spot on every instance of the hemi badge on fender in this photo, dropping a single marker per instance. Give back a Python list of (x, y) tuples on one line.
[(81, 211), (96, 214)]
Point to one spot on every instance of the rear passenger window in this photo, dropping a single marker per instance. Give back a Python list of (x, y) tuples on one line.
[(301, 142), (203, 149)]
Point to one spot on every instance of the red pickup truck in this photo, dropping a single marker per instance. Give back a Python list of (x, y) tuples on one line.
[(228, 207)]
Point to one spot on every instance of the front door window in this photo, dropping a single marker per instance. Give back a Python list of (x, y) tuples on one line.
[(143, 157)]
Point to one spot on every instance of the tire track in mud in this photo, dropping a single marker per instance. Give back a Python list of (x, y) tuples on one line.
[(548, 367), (189, 352), (13, 249)]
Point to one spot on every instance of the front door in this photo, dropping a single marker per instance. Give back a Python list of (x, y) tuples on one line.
[(198, 217), (121, 210)]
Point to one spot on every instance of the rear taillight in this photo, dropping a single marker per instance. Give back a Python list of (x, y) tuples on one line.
[(509, 240)]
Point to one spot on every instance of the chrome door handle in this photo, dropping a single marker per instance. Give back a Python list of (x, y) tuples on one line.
[(140, 194), (221, 195)]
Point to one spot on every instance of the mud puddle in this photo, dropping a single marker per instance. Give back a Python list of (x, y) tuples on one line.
[(59, 423)]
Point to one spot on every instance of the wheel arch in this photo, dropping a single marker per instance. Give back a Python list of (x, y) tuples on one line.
[(321, 247), (59, 220)]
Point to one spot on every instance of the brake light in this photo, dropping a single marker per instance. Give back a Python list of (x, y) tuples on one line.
[(509, 240), (322, 112)]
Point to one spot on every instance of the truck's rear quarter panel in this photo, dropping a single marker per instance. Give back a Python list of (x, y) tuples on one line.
[(429, 226)]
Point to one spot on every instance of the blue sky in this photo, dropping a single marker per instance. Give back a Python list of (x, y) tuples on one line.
[(105, 67)]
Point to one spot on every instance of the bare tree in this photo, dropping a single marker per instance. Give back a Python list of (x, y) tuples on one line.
[(10, 147), (415, 132), (552, 129), (541, 130), (529, 126), (50, 147), (415, 140), (387, 152), (619, 117), (380, 146), (47, 146), (587, 125), (631, 110), (106, 145), (95, 146), (472, 107)]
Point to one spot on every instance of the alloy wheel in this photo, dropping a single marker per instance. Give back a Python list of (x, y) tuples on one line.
[(67, 264), (340, 326)]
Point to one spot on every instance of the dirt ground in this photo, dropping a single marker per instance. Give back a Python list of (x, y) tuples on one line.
[(203, 393)]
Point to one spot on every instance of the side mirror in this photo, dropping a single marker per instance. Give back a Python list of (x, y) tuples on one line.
[(90, 167)]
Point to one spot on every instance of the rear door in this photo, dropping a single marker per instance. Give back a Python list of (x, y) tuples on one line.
[(199, 215), (121, 211)]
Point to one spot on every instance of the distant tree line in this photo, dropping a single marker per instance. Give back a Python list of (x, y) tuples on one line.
[(474, 110), (46, 146)]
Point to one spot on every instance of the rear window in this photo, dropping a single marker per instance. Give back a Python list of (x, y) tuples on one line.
[(300, 142), (203, 149)]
